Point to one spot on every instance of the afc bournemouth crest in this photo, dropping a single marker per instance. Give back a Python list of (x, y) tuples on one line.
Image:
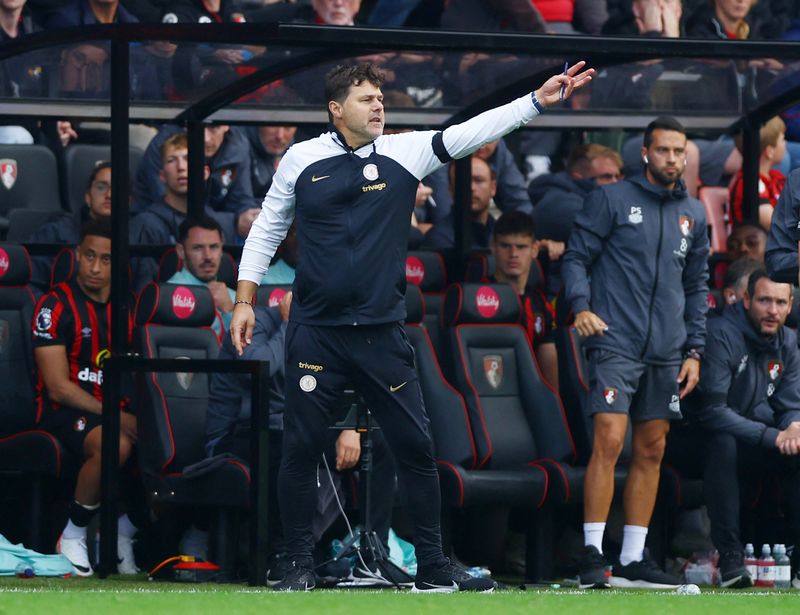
[(8, 172), (686, 224), (774, 368), (493, 369), (610, 395)]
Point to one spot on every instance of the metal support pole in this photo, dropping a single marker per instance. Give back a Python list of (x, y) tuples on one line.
[(195, 136), (461, 209), (259, 476), (751, 154), (120, 287)]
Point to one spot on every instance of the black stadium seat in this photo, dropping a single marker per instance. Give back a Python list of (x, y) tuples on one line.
[(24, 449), (269, 295), (28, 180), (427, 270), (516, 417), (174, 322), (465, 482)]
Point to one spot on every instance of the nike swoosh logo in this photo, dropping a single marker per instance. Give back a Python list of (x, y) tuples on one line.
[(433, 586), (393, 389), (315, 179)]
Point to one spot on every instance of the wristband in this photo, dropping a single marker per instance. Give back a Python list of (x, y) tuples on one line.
[(692, 353), (238, 301), (536, 104)]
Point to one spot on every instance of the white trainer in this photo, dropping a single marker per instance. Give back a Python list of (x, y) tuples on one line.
[(74, 549), (126, 562)]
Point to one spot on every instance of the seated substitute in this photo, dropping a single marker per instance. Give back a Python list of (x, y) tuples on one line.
[(71, 329), (228, 431), (515, 248), (199, 247), (748, 404)]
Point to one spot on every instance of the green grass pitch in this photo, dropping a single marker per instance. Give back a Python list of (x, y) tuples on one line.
[(98, 597)]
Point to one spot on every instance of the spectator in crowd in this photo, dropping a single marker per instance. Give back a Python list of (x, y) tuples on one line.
[(203, 11), (483, 188), (395, 13), (772, 137), (734, 19), (748, 405), (328, 12), (734, 283), (515, 248), (15, 22), (88, 12), (228, 431), (66, 227), (268, 144), (199, 247), (71, 329), (228, 185), (635, 274), (511, 192), (747, 240), (657, 18), (160, 222), (558, 197), (784, 233)]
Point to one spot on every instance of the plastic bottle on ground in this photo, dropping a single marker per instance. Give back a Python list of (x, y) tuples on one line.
[(750, 561), (783, 568), (766, 568)]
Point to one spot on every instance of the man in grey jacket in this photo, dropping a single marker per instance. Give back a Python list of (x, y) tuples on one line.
[(635, 274), (748, 406)]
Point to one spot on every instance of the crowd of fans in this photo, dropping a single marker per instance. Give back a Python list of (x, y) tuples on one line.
[(521, 210)]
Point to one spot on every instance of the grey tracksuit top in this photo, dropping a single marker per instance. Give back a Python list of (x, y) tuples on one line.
[(637, 257)]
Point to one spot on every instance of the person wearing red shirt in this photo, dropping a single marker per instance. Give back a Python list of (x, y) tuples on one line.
[(771, 181)]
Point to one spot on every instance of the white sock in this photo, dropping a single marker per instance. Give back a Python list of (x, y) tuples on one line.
[(72, 531), (633, 538), (125, 527), (593, 535)]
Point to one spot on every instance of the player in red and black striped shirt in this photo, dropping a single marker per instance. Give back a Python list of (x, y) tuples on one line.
[(71, 339), (514, 247)]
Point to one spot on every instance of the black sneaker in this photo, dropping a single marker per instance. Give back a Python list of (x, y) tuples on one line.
[(643, 574), (450, 578), (277, 567), (732, 570), (593, 570), (299, 578)]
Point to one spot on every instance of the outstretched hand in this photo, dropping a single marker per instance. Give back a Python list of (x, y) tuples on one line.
[(550, 92)]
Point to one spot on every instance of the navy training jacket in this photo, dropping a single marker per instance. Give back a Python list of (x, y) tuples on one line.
[(637, 257), (749, 383)]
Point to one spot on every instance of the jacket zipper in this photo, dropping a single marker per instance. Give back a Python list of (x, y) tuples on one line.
[(655, 281)]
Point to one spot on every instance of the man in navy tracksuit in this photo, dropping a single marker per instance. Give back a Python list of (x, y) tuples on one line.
[(636, 275), (350, 193), (748, 405), (784, 233)]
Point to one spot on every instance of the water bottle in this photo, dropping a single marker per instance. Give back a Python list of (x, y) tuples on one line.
[(750, 561), (24, 571), (766, 568), (783, 568)]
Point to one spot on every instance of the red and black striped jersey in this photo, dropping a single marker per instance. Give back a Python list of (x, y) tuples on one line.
[(67, 317)]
